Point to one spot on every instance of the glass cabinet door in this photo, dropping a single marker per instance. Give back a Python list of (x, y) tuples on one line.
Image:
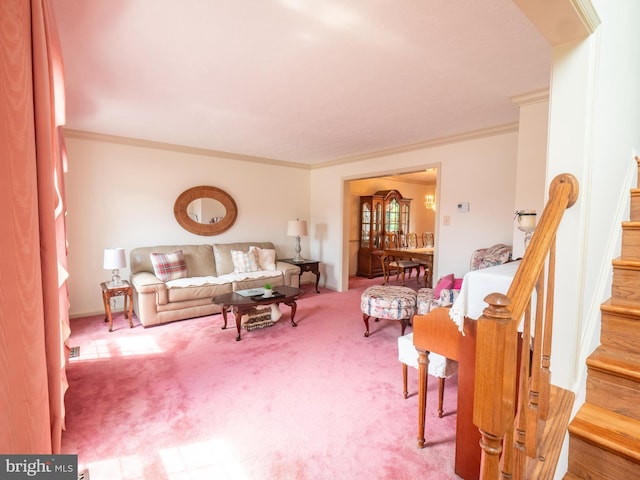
[(404, 220), (392, 216), (376, 229), (365, 225)]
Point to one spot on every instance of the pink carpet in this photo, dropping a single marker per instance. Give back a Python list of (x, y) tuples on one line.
[(186, 401)]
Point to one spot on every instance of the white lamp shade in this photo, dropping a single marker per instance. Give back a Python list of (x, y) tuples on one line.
[(297, 228), (114, 258)]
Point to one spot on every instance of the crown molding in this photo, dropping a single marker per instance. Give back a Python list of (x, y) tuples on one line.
[(587, 12), (561, 21), (136, 142), (463, 137), (530, 98), (101, 137)]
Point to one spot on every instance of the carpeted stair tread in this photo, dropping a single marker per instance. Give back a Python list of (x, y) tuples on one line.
[(615, 362), (608, 430)]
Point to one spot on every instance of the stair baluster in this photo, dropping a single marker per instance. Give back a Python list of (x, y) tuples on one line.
[(510, 399)]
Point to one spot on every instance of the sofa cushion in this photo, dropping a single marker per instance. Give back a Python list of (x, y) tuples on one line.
[(169, 266), (266, 257), (207, 290), (222, 254), (252, 280), (198, 258), (244, 261)]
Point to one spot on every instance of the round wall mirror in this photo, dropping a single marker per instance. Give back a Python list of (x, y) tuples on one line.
[(205, 210)]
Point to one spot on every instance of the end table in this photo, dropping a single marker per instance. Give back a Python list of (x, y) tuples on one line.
[(125, 290), (306, 266)]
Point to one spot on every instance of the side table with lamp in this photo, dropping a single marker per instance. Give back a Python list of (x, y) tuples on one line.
[(114, 260), (298, 228)]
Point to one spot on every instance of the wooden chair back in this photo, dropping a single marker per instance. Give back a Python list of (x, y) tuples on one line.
[(412, 240), (391, 240), (427, 239)]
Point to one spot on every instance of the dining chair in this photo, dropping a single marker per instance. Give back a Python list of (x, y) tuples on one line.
[(392, 263), (412, 242), (427, 239), (439, 367)]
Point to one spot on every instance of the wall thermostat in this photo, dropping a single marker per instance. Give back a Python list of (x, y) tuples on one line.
[(463, 207)]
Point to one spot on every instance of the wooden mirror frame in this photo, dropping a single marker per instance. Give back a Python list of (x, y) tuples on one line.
[(194, 193)]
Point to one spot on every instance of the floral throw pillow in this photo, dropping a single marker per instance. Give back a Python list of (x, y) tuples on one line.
[(169, 266), (244, 262)]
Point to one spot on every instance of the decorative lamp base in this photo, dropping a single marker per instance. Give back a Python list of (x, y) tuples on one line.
[(116, 281), (297, 257), (528, 233)]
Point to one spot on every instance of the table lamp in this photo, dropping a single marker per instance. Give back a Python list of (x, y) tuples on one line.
[(527, 224), (114, 260), (297, 228)]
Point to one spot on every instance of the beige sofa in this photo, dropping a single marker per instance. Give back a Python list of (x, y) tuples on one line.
[(210, 272)]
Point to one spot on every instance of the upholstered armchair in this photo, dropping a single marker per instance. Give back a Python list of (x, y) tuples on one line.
[(491, 256), (448, 287)]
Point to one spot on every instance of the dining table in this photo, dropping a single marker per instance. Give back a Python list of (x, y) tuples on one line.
[(422, 253)]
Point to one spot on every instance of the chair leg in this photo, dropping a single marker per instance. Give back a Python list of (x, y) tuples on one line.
[(404, 323), (423, 367), (365, 318), (405, 393), (440, 396)]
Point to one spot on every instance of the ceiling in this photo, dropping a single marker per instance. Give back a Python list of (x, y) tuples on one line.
[(310, 82)]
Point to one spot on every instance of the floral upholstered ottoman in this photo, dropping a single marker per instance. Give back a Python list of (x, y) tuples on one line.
[(388, 302)]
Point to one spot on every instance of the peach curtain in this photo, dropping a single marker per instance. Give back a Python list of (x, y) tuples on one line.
[(34, 320)]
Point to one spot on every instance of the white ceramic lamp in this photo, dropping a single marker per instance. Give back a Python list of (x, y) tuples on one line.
[(114, 260), (297, 228), (526, 223)]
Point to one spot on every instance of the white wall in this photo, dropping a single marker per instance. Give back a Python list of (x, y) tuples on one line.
[(480, 171), (594, 133), (123, 195), (532, 154)]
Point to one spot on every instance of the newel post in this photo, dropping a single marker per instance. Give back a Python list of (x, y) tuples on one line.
[(495, 385)]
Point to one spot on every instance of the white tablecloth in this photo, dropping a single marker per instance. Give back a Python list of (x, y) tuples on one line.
[(476, 285)]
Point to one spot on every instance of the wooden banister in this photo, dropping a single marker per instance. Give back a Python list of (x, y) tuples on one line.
[(511, 391)]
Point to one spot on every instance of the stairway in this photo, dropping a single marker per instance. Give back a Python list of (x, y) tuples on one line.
[(604, 436)]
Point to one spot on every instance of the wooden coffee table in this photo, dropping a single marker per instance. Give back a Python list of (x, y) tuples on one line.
[(240, 305)]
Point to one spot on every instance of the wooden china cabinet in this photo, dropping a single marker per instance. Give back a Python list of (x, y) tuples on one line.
[(384, 211)]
